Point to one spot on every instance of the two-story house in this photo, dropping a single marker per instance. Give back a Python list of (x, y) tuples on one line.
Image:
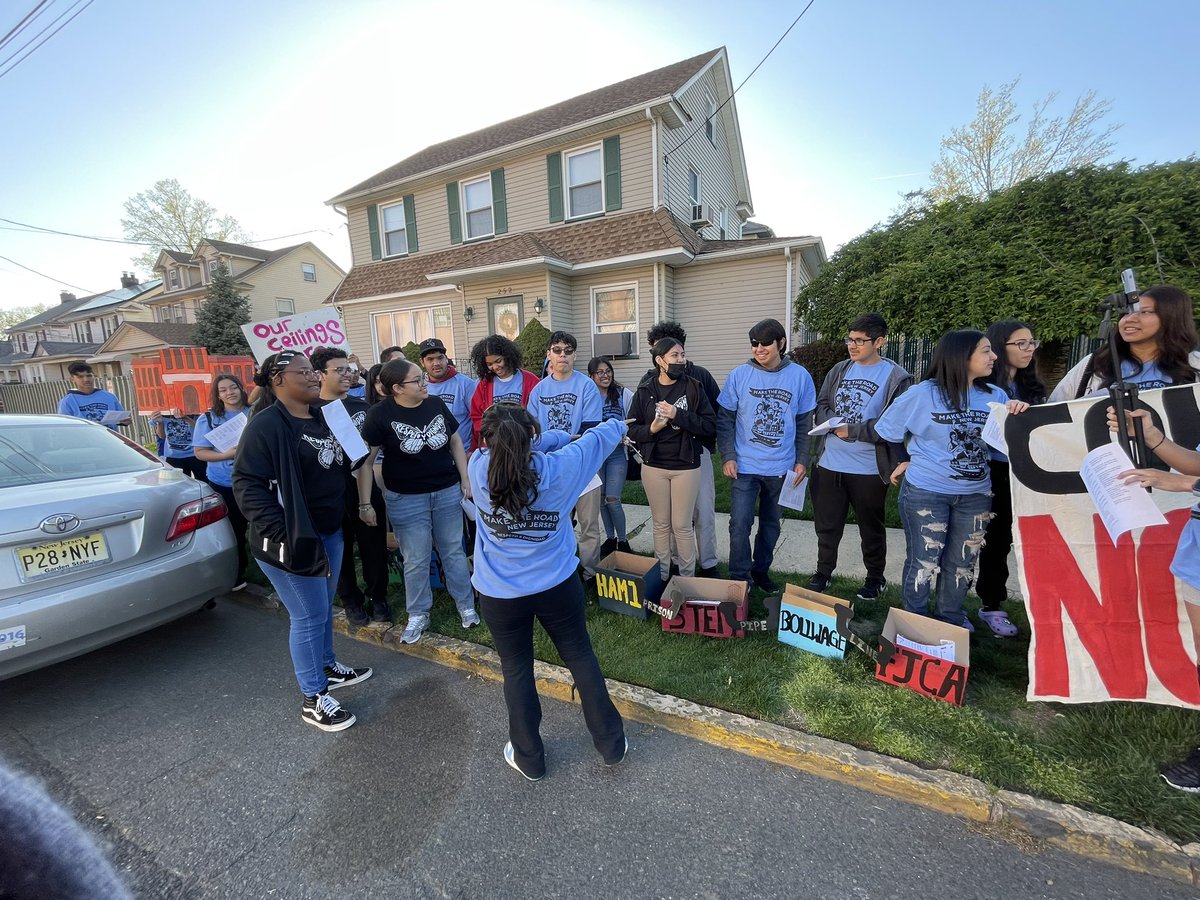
[(74, 329), (599, 215)]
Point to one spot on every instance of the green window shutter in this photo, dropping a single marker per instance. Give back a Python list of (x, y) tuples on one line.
[(373, 225), (499, 202), (410, 222), (554, 185), (612, 173), (455, 209)]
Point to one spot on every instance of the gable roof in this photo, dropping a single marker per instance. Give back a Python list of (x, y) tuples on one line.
[(633, 92), (174, 334), (230, 249), (85, 306), (63, 348)]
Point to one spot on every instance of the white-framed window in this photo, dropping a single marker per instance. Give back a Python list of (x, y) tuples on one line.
[(309, 271), (585, 181), (284, 306), (172, 279), (399, 327), (196, 308), (477, 208), (710, 113), (395, 230), (694, 186), (615, 308), (213, 265), (723, 223)]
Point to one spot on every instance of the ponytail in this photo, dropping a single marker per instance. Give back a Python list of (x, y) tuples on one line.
[(506, 431)]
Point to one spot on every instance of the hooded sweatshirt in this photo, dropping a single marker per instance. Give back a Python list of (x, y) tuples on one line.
[(764, 416)]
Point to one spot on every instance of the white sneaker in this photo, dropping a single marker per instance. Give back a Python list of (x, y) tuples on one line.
[(470, 618), (414, 629)]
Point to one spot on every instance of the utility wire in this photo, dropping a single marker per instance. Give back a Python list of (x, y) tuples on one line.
[(26, 228), (728, 99), (29, 17), (29, 52), (48, 277)]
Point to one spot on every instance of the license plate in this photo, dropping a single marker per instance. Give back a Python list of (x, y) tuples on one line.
[(61, 556)]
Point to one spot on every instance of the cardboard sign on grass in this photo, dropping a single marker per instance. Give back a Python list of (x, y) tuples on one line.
[(625, 581), (809, 621), (698, 601), (931, 657)]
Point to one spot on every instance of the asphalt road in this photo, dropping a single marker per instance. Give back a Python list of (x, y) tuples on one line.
[(183, 752)]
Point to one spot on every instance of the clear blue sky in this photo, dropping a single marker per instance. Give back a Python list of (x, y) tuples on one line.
[(266, 109)]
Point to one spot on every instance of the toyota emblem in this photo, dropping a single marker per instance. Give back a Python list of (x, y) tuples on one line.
[(59, 524)]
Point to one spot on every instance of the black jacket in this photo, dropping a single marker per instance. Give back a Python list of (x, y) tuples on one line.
[(666, 449), (712, 391), (266, 474)]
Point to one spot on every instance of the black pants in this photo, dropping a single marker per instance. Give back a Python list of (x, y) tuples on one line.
[(560, 610), (992, 583), (238, 521), (372, 551), (197, 468), (833, 493)]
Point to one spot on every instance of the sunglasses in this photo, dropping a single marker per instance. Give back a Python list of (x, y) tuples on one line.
[(754, 343), (562, 351)]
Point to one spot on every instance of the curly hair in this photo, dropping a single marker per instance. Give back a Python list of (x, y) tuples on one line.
[(494, 345), (666, 329), (506, 432)]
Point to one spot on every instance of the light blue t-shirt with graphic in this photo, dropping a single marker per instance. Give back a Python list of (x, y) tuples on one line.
[(946, 446), (179, 437), (221, 471), (1149, 378), (518, 557), (767, 404), (1186, 564), (565, 405), (859, 398), (91, 406), (456, 393), (508, 390)]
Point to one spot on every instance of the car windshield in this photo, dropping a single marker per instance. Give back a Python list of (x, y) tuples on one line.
[(42, 452)]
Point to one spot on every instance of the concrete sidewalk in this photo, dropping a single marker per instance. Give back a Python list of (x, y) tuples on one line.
[(797, 547)]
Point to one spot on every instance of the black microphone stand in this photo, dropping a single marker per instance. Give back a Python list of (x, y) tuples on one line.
[(1124, 395)]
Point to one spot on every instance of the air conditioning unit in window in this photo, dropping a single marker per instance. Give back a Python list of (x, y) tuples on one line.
[(701, 215), (613, 343)]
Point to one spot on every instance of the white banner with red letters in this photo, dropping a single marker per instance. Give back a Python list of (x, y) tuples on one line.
[(304, 332), (1107, 619)]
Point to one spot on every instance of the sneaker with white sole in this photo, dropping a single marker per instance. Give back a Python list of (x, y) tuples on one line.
[(1184, 776), (326, 713), (414, 629), (872, 589), (470, 618), (511, 758), (343, 676), (621, 758)]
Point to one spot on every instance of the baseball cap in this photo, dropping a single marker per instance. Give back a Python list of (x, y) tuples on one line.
[(431, 345)]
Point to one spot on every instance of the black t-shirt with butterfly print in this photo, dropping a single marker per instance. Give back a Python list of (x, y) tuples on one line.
[(323, 467), (416, 445), (357, 410)]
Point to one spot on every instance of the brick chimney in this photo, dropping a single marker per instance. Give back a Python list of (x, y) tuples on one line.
[(128, 280), (65, 297)]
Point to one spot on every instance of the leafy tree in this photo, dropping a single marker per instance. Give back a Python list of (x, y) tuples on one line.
[(1045, 251), (532, 341), (989, 155), (13, 315), (169, 218), (221, 317)]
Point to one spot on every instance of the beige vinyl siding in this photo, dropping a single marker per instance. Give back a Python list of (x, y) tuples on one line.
[(719, 301), (283, 278), (528, 286), (713, 163), (432, 220), (560, 313), (668, 295), (134, 341), (627, 371), (360, 327)]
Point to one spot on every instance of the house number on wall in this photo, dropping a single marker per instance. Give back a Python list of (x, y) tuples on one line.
[(505, 291)]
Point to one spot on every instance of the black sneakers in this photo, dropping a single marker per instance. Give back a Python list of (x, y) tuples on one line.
[(819, 583), (872, 589), (710, 572), (763, 580), (624, 547), (326, 713), (342, 676), (609, 545), (1184, 776), (355, 615)]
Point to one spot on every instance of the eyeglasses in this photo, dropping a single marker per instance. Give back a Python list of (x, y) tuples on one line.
[(1024, 345), (563, 351), (340, 370), (859, 342), (424, 379), (754, 343), (310, 374)]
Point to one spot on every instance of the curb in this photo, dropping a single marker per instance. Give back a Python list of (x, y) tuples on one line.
[(1059, 825)]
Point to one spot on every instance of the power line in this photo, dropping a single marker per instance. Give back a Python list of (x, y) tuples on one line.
[(29, 52), (26, 228), (48, 277), (28, 17), (728, 99)]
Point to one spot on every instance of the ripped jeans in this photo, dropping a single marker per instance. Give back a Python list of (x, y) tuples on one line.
[(944, 533)]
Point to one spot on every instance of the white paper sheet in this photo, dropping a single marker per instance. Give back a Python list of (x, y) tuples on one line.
[(1122, 507), (943, 650), (993, 428), (591, 485), (225, 436), (343, 429), (116, 417), (793, 497), (469, 508), (827, 426)]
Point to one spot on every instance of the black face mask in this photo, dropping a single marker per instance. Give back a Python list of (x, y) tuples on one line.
[(675, 370)]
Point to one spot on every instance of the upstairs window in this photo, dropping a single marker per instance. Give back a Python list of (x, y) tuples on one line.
[(172, 279), (585, 183), (309, 270), (724, 223), (477, 207), (284, 306), (395, 232), (213, 266), (694, 186), (711, 111)]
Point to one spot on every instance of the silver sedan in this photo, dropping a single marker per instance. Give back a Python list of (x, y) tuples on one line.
[(98, 541)]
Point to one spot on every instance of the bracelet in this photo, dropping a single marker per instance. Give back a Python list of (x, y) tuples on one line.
[(1159, 444), (364, 505)]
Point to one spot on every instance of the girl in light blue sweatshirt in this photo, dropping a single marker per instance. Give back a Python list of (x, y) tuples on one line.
[(525, 567)]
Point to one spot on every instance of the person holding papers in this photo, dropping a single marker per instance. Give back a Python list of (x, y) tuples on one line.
[(670, 415), (525, 569), (854, 465), (945, 503), (425, 481), (86, 401), (1185, 775), (227, 401), (289, 478)]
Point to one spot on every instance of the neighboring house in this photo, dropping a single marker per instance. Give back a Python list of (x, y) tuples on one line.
[(10, 369), (140, 340), (599, 215), (75, 328), (278, 282)]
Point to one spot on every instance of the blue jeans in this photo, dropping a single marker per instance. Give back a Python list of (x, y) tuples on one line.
[(309, 602), (743, 492), (612, 476), (944, 533), (421, 522)]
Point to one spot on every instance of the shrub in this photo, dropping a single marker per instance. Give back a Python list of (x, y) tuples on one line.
[(532, 341), (819, 357)]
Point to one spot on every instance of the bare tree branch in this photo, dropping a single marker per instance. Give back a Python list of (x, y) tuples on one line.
[(170, 218)]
